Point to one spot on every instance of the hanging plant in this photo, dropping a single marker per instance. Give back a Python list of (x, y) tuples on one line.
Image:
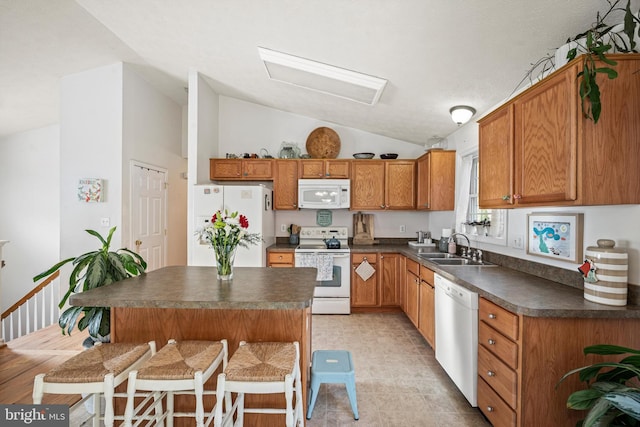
[(595, 44)]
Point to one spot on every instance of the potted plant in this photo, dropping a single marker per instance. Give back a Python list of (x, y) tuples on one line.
[(613, 396), (93, 270)]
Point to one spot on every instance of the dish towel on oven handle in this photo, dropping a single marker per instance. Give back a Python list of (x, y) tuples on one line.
[(365, 270), (322, 262)]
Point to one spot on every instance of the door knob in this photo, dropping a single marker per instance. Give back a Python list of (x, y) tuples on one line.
[(138, 242)]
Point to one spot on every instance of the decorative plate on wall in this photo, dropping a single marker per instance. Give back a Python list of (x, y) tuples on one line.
[(323, 143)]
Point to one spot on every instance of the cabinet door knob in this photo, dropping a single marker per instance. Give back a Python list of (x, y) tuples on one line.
[(491, 373), (506, 197), (381, 206), (492, 316), (491, 341), (489, 408), (517, 196)]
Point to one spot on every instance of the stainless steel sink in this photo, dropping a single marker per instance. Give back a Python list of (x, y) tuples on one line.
[(460, 261), (434, 255)]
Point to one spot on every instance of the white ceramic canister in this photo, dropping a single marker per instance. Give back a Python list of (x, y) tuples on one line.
[(608, 283)]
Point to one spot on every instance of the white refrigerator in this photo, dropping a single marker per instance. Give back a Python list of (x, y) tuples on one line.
[(252, 201)]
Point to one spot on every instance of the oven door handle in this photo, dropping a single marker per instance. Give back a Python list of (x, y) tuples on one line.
[(341, 255)]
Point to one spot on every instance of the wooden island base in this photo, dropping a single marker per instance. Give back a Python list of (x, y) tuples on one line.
[(141, 324)]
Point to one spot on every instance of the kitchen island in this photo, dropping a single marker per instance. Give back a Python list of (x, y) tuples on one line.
[(188, 303)]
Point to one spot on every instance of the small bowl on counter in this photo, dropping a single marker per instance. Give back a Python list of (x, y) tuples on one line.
[(387, 156), (363, 155)]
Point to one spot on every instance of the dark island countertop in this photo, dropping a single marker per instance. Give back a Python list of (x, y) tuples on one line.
[(514, 290), (197, 287)]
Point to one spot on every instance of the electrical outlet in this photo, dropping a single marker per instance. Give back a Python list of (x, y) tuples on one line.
[(517, 242), (283, 228), (105, 222), (403, 228)]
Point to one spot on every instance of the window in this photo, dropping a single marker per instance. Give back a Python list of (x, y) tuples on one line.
[(484, 225)]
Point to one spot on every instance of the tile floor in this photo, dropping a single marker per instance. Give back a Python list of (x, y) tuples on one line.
[(398, 380), (399, 383)]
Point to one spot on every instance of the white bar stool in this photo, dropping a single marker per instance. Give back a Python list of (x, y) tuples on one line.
[(95, 372), (180, 367), (262, 368)]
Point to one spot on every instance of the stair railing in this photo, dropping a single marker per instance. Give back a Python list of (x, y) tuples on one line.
[(35, 310)]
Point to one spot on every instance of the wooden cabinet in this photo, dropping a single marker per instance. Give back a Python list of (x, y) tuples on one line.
[(325, 168), (383, 288), (539, 150), (412, 283), (382, 184), (426, 306), (364, 293), (285, 184), (497, 363), (436, 180), (522, 358), (281, 259), (241, 169)]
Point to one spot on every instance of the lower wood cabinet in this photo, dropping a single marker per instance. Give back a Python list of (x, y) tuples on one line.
[(412, 283), (522, 358), (281, 259), (426, 306), (382, 289)]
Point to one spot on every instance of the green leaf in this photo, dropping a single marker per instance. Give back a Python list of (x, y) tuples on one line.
[(96, 234), (627, 402), (599, 409), (629, 26), (607, 349), (583, 399), (96, 272), (571, 54), (53, 269), (68, 318), (610, 72), (118, 265)]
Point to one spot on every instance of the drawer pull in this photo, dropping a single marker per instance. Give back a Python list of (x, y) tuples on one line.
[(491, 341), (492, 316), (489, 408), (491, 373)]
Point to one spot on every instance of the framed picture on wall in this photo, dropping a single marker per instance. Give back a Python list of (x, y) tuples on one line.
[(555, 235)]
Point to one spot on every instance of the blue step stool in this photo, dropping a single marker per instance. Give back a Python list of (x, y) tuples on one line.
[(332, 366)]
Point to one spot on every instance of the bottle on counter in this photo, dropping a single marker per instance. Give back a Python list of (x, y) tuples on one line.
[(452, 246)]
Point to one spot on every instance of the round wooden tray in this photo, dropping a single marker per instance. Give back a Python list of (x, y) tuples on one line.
[(323, 143)]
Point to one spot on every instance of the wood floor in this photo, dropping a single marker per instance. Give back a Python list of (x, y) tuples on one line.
[(25, 357)]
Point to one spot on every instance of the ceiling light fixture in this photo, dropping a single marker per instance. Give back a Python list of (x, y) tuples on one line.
[(461, 114), (321, 77)]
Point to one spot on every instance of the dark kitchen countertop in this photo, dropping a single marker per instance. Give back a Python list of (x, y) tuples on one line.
[(514, 290), (197, 287)]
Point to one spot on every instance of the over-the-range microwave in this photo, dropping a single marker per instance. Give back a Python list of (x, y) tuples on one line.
[(324, 193)]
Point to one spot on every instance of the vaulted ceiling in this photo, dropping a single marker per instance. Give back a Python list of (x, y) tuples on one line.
[(435, 54)]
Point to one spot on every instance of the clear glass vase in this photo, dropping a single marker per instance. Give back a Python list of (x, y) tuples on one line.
[(224, 262)]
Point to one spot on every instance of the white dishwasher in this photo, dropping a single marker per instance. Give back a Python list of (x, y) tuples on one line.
[(456, 316)]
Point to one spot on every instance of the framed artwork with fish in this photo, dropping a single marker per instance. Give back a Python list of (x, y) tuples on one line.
[(555, 235)]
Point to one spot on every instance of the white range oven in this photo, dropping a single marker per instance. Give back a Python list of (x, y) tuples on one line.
[(333, 280)]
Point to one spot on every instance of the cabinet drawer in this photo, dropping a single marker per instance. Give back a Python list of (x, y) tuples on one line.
[(281, 258), (413, 267), (498, 344), (358, 258), (499, 376), (494, 408), (500, 319), (427, 275)]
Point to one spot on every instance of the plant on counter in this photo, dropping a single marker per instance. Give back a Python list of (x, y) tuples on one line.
[(613, 398), (225, 233), (93, 270)]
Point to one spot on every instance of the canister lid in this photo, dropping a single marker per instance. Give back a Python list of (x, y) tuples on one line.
[(606, 245)]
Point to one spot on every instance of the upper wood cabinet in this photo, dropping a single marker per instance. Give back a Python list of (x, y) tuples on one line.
[(241, 169), (436, 181), (382, 184), (285, 184), (539, 150), (325, 168)]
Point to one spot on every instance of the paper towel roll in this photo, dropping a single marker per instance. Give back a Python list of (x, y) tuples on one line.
[(446, 232)]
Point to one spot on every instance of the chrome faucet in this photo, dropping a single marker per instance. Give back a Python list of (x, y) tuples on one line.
[(452, 239)]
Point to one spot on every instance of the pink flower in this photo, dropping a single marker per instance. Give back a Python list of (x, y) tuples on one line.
[(244, 222)]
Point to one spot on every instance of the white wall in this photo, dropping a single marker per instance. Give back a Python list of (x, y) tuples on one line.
[(600, 222), (152, 135), (30, 213)]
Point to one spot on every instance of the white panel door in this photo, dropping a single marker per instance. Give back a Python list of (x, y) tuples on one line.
[(148, 215)]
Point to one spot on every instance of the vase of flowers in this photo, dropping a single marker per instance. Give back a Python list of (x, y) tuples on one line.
[(224, 233)]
